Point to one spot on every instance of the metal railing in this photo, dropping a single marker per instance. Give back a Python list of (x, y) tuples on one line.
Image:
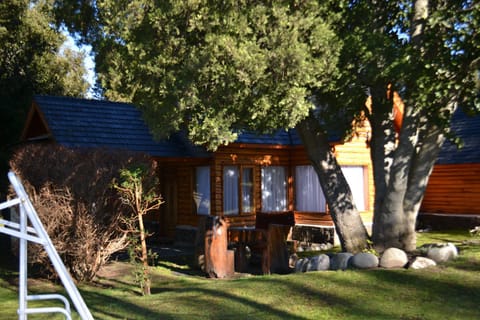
[(36, 233)]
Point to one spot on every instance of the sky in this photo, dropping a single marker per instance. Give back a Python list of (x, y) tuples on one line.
[(88, 62)]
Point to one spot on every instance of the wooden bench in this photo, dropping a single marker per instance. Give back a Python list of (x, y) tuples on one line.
[(269, 233), (275, 228)]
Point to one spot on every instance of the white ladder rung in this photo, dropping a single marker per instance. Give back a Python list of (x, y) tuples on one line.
[(37, 233)]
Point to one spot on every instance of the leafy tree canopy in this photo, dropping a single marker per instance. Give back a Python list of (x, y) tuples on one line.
[(32, 60), (215, 67)]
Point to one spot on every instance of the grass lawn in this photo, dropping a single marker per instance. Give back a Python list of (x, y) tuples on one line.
[(450, 291)]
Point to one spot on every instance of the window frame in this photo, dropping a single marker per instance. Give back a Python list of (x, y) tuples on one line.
[(241, 208)]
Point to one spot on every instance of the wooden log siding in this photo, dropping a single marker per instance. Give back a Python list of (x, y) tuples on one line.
[(313, 218), (454, 189), (254, 156), (181, 174), (351, 153)]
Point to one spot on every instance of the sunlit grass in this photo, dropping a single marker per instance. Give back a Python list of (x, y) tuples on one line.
[(450, 291)]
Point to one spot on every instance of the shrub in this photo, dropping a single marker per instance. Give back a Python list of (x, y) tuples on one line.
[(81, 211)]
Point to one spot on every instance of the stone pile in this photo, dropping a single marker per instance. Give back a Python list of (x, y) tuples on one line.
[(426, 256)]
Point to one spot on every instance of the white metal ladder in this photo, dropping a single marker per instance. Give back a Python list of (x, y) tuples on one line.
[(36, 233)]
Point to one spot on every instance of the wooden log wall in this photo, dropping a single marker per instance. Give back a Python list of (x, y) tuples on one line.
[(177, 178), (453, 188), (254, 156), (354, 152), (313, 218)]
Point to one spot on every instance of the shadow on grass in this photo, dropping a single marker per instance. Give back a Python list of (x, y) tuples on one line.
[(222, 304), (181, 270), (102, 305), (339, 301)]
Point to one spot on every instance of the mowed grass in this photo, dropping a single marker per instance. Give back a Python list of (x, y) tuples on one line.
[(450, 291)]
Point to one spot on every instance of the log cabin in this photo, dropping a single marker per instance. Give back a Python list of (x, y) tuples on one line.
[(452, 197), (255, 174)]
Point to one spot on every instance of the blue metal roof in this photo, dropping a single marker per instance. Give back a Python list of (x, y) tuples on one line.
[(280, 137), (96, 123), (467, 128), (76, 122)]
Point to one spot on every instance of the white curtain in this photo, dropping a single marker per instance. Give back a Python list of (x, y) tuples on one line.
[(356, 180), (247, 190), (308, 192), (201, 195), (230, 190), (274, 189)]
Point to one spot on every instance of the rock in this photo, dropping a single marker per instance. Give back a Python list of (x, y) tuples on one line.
[(393, 258), (421, 263), (301, 265), (318, 263), (340, 261), (364, 260), (440, 252)]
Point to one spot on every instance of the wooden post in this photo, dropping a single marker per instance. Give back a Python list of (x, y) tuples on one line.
[(278, 257), (219, 261)]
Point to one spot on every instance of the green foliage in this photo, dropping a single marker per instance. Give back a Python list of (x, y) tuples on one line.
[(370, 248), (137, 185), (32, 61), (139, 271), (215, 68), (137, 188), (430, 70)]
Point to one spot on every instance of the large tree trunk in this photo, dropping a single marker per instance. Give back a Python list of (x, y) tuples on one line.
[(348, 223), (389, 219), (432, 139), (382, 144), (394, 224)]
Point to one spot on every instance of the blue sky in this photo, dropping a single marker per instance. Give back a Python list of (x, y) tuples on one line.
[(88, 62)]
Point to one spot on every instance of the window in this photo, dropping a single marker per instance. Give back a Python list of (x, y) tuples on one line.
[(308, 192), (237, 190), (201, 195), (309, 195), (356, 180), (247, 190), (274, 189)]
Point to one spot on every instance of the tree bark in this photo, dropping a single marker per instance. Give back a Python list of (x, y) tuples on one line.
[(382, 143), (390, 220), (432, 139), (395, 216), (351, 231), (143, 242)]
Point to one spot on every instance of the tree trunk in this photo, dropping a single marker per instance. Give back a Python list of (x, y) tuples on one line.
[(395, 216), (348, 223), (382, 143), (432, 139), (389, 222), (143, 242)]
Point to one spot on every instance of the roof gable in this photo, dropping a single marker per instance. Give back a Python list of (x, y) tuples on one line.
[(86, 123)]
